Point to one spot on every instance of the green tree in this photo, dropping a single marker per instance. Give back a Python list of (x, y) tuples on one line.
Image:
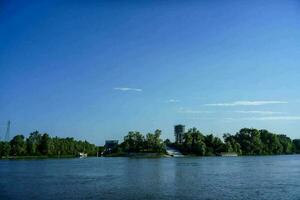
[(249, 140), (296, 143), (18, 146), (266, 139), (214, 145), (4, 149), (153, 142), (256, 145), (193, 142), (33, 142), (187, 142), (286, 143), (231, 145), (133, 142), (276, 146), (44, 147)]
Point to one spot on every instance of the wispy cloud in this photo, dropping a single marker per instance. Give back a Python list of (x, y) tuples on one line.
[(125, 89), (247, 103), (203, 118), (280, 118), (271, 118), (260, 112), (232, 119), (173, 101), (188, 111)]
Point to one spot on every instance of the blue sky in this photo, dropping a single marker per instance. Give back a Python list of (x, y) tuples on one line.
[(98, 69)]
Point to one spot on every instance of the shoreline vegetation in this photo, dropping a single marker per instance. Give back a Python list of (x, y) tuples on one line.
[(246, 142), (39, 145), (37, 157)]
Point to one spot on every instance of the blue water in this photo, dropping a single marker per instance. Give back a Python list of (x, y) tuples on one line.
[(268, 177)]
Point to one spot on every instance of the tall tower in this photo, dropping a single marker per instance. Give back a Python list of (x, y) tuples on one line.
[(7, 131), (178, 132)]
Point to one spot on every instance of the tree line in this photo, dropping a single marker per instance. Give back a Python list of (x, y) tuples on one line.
[(196, 143), (245, 142), (136, 142), (38, 144)]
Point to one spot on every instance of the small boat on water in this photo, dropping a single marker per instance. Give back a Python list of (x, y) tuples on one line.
[(82, 155)]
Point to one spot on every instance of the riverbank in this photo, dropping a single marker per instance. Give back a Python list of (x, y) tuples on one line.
[(138, 155), (129, 155), (36, 157)]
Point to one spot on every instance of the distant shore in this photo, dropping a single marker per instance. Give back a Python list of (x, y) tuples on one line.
[(36, 157), (139, 155), (133, 155)]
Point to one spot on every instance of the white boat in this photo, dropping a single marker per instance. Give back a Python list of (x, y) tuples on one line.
[(82, 155)]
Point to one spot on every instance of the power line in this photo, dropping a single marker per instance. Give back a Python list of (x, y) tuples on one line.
[(7, 131)]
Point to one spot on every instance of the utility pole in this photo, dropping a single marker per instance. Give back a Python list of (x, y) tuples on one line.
[(7, 131)]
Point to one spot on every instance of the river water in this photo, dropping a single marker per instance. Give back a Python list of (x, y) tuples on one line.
[(265, 177)]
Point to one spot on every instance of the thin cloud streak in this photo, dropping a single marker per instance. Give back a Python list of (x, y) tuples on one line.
[(286, 118), (173, 101), (203, 118), (260, 112), (273, 118), (247, 103), (194, 111), (125, 89), (231, 119), (257, 112)]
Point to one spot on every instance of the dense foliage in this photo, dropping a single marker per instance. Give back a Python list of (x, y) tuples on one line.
[(135, 142), (43, 145), (259, 142), (245, 142), (297, 145), (194, 142)]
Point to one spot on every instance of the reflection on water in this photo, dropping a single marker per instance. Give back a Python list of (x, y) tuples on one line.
[(268, 177)]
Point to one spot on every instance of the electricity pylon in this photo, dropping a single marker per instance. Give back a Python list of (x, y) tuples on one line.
[(7, 131)]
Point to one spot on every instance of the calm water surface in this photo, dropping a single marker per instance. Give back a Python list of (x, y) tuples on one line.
[(270, 178)]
